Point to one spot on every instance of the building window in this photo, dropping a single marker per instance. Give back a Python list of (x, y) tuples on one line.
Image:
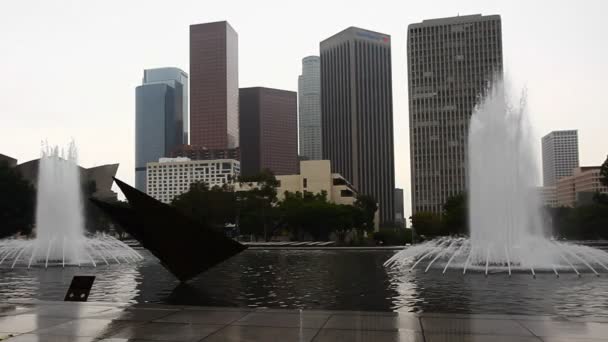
[(305, 182)]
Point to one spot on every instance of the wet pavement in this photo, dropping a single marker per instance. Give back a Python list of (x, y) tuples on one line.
[(38, 321)]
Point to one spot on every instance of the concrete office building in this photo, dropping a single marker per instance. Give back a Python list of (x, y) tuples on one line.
[(203, 153), (580, 187), (170, 177), (451, 62), (214, 86), (316, 176), (309, 105), (400, 219), (357, 112), (269, 136), (560, 155), (160, 112)]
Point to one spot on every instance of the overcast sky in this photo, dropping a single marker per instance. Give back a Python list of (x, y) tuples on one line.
[(69, 68)]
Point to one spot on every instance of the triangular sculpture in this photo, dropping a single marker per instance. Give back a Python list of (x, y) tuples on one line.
[(185, 247)]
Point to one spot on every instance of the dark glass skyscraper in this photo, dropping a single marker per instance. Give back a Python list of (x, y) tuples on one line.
[(214, 86), (160, 112), (451, 61), (269, 131), (357, 113)]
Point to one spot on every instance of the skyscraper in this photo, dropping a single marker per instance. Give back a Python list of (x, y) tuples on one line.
[(451, 61), (309, 104), (160, 112), (560, 155), (357, 112), (214, 86), (269, 137), (400, 219)]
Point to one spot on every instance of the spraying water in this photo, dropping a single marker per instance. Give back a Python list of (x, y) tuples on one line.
[(505, 223), (60, 237)]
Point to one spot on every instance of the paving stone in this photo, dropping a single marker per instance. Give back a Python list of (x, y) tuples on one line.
[(87, 327), (167, 332), (478, 338), (581, 330), (473, 326), (27, 322), (332, 335), (203, 317), (266, 334), (364, 322), (288, 320)]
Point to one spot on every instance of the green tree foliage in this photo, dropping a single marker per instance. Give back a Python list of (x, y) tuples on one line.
[(393, 236), (455, 215), (604, 173), (311, 214), (257, 212), (427, 224), (369, 206), (17, 202), (581, 223), (210, 206)]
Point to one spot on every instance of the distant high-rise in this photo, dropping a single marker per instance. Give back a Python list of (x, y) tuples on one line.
[(399, 209), (357, 113), (560, 155), (269, 137), (214, 86), (309, 104), (451, 61), (160, 112)]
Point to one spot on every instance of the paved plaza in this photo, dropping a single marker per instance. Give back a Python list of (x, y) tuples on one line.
[(42, 321)]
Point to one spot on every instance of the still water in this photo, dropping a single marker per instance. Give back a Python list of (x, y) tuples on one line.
[(322, 279)]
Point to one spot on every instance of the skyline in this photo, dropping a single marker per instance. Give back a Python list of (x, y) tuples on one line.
[(85, 90)]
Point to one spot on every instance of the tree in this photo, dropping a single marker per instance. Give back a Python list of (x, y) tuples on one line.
[(209, 206), (427, 224), (369, 206), (17, 202), (257, 213), (455, 214), (604, 173)]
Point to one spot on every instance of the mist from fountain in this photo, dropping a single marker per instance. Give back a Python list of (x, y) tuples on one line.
[(60, 237), (505, 220)]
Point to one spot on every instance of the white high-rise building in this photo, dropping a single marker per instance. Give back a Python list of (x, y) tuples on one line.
[(309, 105), (170, 177), (451, 62), (560, 155)]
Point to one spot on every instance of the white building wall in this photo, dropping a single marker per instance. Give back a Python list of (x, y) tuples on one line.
[(170, 177), (560, 155)]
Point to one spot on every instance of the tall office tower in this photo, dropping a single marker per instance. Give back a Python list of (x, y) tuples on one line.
[(451, 62), (269, 131), (160, 112), (214, 86), (357, 113), (560, 155), (309, 104), (399, 209)]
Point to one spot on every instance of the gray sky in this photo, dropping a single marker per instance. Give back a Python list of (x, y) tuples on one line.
[(70, 68)]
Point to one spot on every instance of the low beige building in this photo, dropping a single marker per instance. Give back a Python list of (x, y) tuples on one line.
[(579, 187), (315, 177)]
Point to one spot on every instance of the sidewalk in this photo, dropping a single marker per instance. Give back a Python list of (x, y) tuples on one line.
[(112, 322)]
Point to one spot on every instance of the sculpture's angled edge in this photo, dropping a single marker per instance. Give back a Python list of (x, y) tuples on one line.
[(186, 248)]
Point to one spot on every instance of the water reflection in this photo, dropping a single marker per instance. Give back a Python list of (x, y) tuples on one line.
[(307, 279)]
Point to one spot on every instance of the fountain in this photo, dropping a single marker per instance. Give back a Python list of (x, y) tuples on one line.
[(505, 224), (60, 237)]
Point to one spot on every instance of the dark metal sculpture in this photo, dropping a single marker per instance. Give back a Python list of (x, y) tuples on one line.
[(183, 246)]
